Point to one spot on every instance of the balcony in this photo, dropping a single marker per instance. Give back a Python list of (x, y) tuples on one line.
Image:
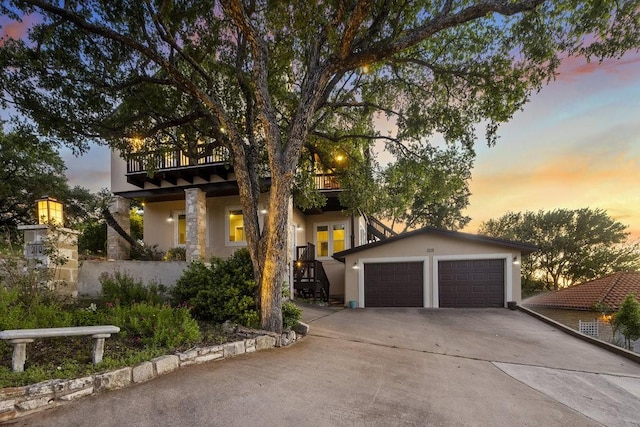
[(174, 164)]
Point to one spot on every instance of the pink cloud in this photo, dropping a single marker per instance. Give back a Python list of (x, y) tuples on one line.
[(574, 67), (17, 30)]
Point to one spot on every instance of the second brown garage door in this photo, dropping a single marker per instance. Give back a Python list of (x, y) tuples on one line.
[(393, 284), (471, 283)]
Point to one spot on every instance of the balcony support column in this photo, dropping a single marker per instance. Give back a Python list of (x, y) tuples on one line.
[(117, 247), (196, 217)]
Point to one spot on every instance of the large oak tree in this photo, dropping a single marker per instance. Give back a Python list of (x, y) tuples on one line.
[(575, 245), (271, 80)]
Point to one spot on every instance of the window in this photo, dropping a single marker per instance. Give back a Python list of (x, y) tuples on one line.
[(235, 227), (330, 238), (181, 229)]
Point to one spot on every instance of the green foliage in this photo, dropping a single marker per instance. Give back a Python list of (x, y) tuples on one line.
[(136, 223), (427, 189), (155, 325), (31, 168), (291, 315), (223, 290), (627, 319), (24, 311), (176, 254), (125, 290), (575, 245)]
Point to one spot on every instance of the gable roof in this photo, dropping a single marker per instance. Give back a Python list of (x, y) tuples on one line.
[(610, 290), (524, 248)]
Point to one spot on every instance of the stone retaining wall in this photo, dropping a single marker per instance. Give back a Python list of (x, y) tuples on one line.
[(16, 402)]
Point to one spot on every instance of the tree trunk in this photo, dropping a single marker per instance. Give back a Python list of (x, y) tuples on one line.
[(274, 255), (113, 223)]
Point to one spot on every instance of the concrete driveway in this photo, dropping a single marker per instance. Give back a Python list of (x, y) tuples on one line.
[(388, 367)]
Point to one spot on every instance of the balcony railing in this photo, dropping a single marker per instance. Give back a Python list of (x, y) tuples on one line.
[(326, 182), (176, 159)]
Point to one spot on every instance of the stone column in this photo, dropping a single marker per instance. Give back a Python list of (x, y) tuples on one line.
[(117, 247), (55, 251), (196, 217)]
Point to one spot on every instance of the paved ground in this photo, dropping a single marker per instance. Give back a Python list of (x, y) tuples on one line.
[(388, 367)]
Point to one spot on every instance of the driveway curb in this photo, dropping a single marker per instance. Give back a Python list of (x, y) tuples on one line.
[(635, 357)]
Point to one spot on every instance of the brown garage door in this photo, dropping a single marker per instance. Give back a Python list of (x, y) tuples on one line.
[(393, 284), (471, 283)]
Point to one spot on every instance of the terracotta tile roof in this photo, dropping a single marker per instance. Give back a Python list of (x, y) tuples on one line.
[(609, 290)]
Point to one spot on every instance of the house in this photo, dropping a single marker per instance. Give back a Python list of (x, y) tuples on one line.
[(195, 204), (607, 291), (193, 201)]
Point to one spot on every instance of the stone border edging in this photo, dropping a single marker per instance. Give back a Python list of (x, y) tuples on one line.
[(635, 357), (16, 402)]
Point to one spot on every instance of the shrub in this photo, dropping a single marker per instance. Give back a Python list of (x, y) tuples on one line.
[(627, 319), (155, 325), (223, 290), (124, 290), (176, 254), (291, 315)]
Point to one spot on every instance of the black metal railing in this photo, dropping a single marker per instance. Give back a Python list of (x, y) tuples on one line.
[(310, 279), (176, 159), (377, 230)]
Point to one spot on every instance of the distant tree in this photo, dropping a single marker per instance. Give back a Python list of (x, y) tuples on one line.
[(575, 245), (627, 319), (29, 169)]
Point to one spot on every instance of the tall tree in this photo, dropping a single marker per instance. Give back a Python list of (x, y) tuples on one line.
[(575, 245), (31, 168), (270, 80)]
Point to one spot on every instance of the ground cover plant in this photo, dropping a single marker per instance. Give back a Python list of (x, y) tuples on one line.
[(153, 321)]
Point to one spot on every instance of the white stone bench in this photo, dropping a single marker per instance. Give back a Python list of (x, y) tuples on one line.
[(19, 338)]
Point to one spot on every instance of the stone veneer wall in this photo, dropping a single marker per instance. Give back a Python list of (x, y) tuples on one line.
[(117, 246), (196, 217), (17, 402)]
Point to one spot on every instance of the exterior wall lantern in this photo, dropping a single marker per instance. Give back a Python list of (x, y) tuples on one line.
[(50, 211)]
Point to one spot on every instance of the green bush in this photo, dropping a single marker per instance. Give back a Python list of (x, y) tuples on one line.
[(291, 315), (124, 290), (223, 290), (178, 253), (38, 312), (155, 325)]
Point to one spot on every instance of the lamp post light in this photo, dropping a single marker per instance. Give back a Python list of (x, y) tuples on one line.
[(50, 211)]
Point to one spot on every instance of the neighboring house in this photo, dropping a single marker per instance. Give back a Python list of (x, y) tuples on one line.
[(607, 291), (195, 204), (584, 306)]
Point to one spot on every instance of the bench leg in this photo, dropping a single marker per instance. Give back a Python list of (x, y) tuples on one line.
[(19, 354), (98, 347)]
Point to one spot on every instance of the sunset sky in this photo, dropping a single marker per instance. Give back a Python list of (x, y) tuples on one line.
[(576, 144)]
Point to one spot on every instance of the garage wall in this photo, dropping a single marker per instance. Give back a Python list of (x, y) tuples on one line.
[(431, 248)]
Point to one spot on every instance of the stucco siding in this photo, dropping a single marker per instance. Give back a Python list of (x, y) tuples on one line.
[(430, 249)]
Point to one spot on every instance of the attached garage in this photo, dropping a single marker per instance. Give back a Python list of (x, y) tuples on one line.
[(431, 267), (471, 283), (394, 284)]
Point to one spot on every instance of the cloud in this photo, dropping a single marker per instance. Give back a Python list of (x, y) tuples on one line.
[(625, 68), (18, 29)]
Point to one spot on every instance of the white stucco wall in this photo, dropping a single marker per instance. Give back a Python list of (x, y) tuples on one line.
[(430, 249)]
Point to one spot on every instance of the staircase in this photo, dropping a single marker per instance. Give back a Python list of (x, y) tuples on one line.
[(376, 230), (309, 277)]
